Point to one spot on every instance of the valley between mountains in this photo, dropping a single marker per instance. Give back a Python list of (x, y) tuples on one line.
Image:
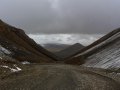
[(26, 65)]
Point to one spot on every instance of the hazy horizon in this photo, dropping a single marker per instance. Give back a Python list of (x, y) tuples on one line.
[(70, 39)]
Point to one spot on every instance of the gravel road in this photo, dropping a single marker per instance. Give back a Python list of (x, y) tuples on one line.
[(57, 77)]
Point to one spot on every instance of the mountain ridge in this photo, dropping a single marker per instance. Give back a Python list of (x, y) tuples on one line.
[(70, 51), (18, 38), (108, 47)]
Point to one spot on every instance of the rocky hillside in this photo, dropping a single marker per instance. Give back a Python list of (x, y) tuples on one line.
[(104, 53), (21, 47)]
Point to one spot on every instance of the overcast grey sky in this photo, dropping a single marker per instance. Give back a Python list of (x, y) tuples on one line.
[(62, 16)]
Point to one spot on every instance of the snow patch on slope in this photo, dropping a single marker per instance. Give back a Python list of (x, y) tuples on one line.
[(4, 50), (1, 58), (25, 62), (16, 69)]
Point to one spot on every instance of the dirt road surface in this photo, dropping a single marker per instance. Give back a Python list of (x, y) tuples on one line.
[(58, 77)]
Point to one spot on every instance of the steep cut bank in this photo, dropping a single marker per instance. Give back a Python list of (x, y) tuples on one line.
[(21, 46), (105, 53), (99, 41)]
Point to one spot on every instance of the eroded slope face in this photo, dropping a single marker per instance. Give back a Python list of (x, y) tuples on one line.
[(103, 55), (107, 57), (21, 46), (59, 77)]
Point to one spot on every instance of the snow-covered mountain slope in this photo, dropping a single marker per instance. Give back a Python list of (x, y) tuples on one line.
[(105, 54)]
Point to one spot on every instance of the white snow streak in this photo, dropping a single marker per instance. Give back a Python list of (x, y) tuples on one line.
[(17, 69), (4, 50), (25, 62), (1, 58)]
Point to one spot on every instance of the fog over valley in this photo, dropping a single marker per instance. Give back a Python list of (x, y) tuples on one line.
[(84, 39)]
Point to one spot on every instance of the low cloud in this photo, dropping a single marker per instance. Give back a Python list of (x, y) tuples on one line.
[(70, 39)]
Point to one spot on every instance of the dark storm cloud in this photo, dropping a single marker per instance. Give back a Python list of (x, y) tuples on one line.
[(62, 16)]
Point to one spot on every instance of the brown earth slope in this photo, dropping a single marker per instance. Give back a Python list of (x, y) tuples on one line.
[(21, 46)]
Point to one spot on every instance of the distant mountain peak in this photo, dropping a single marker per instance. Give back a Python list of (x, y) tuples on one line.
[(70, 51)]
